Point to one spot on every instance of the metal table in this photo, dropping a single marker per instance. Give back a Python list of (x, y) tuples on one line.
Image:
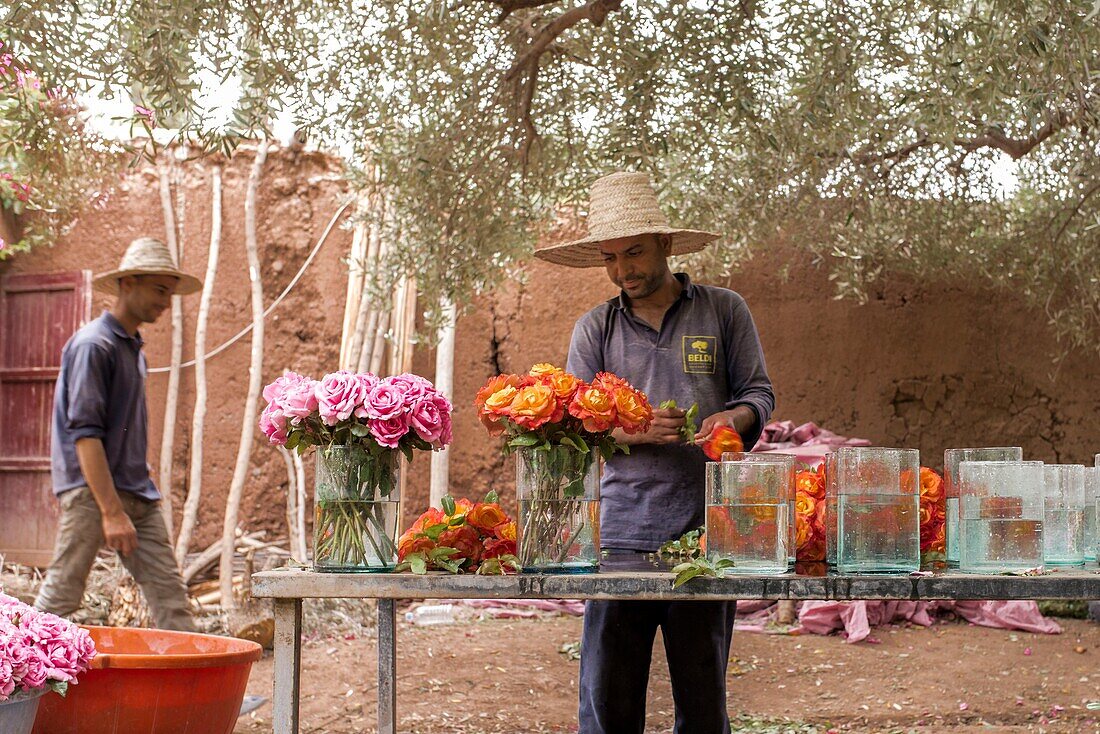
[(289, 586)]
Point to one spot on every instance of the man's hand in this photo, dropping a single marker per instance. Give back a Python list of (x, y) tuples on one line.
[(742, 419), (664, 429), (119, 533)]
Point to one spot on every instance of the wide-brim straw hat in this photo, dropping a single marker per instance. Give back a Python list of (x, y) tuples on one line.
[(622, 205), (147, 256)]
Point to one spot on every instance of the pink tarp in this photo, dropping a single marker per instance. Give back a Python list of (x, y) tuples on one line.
[(854, 619), (808, 442)]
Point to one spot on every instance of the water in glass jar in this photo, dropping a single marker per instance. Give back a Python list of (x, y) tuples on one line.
[(952, 531), (559, 536), (995, 544), (878, 533), (754, 536), (1064, 537)]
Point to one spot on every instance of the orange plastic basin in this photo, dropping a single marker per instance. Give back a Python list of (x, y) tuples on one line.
[(147, 681)]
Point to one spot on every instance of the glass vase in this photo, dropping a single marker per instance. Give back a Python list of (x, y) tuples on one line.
[(748, 514), (356, 505), (1092, 501), (1064, 514), (1001, 516), (559, 510), (792, 491), (17, 713), (878, 510), (830, 509), (951, 485)]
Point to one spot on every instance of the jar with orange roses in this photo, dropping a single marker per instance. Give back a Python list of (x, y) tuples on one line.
[(559, 427)]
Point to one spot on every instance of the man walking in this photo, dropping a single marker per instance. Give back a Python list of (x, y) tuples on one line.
[(674, 340), (100, 471)]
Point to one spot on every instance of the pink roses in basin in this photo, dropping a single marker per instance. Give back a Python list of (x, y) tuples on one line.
[(401, 412), (38, 649)]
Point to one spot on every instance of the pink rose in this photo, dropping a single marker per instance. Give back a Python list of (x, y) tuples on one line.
[(384, 402), (426, 419), (412, 387), (338, 396), (299, 401), (273, 425), (368, 380), (278, 388), (389, 432)]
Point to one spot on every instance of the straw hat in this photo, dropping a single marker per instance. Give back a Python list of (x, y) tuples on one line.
[(147, 256), (623, 205)]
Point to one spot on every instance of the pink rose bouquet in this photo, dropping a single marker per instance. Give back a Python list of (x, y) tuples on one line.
[(402, 412), (360, 424), (39, 650)]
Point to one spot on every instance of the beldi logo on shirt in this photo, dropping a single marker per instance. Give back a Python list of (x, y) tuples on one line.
[(699, 354)]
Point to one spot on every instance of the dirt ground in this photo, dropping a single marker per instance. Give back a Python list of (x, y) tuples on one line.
[(496, 676)]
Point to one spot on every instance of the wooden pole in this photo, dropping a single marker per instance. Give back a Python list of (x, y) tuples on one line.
[(291, 503), (444, 382), (300, 479), (198, 417), (255, 376), (351, 343), (168, 433)]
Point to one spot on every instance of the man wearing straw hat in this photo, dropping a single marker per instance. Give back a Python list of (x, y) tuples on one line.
[(676, 340), (99, 468)]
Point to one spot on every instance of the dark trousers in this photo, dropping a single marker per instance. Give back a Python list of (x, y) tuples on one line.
[(616, 650)]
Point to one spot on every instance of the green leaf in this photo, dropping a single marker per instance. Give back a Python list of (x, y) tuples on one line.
[(59, 687), (434, 531), (574, 489), (417, 563), (443, 551), (491, 496), (448, 504), (359, 430), (524, 440)]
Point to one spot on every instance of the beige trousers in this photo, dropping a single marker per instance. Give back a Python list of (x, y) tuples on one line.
[(152, 564)]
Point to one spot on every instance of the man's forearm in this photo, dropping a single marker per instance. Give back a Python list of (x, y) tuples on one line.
[(97, 473), (743, 418)]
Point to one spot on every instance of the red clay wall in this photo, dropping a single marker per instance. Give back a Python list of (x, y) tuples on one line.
[(927, 365)]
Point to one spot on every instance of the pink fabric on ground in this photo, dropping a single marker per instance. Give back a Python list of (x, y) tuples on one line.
[(808, 442), (856, 618)]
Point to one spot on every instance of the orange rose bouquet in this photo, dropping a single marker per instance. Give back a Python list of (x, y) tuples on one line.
[(810, 515), (933, 517), (462, 537), (558, 426)]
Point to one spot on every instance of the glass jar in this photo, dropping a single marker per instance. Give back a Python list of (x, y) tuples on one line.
[(1000, 516), (951, 460), (559, 510), (1064, 514), (748, 514), (791, 461), (356, 506), (1092, 504), (830, 509), (878, 510)]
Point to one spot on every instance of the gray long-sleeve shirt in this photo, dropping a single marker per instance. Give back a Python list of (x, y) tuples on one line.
[(100, 394), (707, 352)]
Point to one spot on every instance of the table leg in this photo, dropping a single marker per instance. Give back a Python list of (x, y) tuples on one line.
[(387, 666), (288, 661)]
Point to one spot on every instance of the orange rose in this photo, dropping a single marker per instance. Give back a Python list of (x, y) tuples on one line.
[(431, 516), (632, 410), (610, 381), (808, 482), (803, 532), (494, 385), (495, 547), (496, 407), (413, 543), (545, 369), (721, 440), (805, 505), (506, 530), (462, 507), (927, 514), (562, 383), (595, 407), (931, 485), (486, 516), (535, 406), (465, 539), (813, 550)]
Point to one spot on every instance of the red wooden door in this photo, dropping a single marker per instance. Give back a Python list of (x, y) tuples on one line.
[(38, 314)]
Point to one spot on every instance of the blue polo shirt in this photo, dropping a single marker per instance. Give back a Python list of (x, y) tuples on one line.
[(100, 394), (707, 351)]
